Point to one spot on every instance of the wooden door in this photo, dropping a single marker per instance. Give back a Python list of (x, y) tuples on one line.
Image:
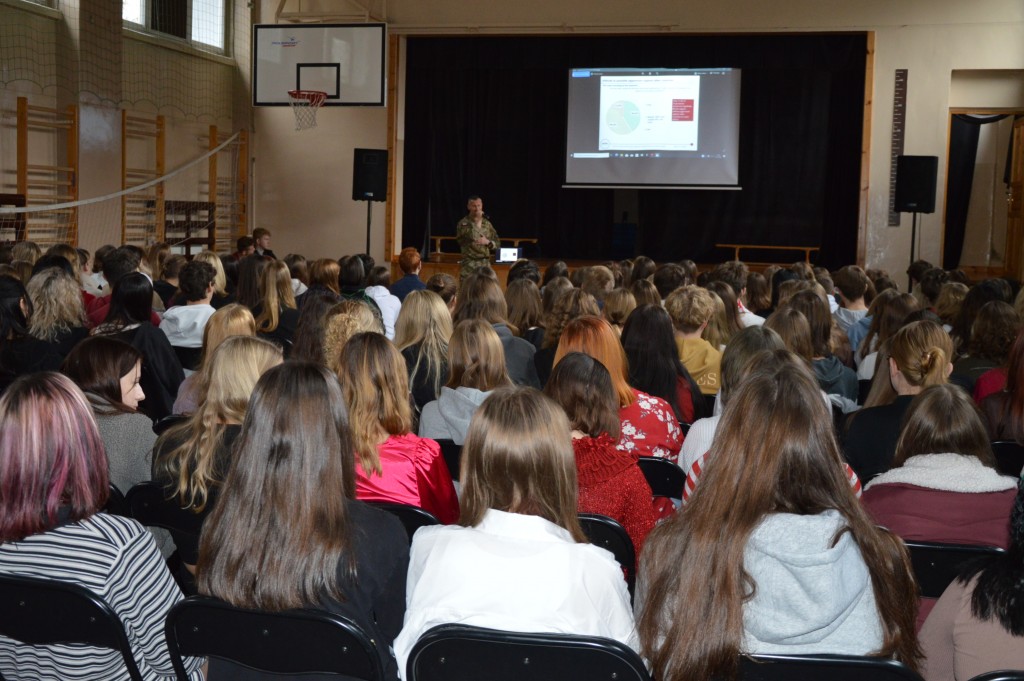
[(1015, 215)]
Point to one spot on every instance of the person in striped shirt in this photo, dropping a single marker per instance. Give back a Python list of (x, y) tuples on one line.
[(53, 485)]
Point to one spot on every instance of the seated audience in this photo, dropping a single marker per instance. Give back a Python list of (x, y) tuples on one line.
[(610, 480), (244, 247), (735, 274), (191, 459), (344, 320), (445, 286), (287, 531), (978, 624), (889, 313), (725, 322), (167, 283), (480, 297), (118, 263), (571, 305), (422, 333), (410, 263), (299, 272), (851, 285), (943, 485), (992, 335), (323, 278), (618, 305), (130, 308), (654, 366), (184, 324), (58, 315), (782, 561), (308, 344), (54, 473), (919, 357), (108, 372), (20, 352), (276, 314), (691, 309), (519, 561), (392, 463), (737, 363), (526, 310), (250, 274), (647, 425), (232, 320), (377, 288), (1004, 409), (476, 363), (833, 376), (222, 293)]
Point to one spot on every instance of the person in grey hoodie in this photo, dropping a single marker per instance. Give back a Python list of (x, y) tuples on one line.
[(477, 365), (773, 553)]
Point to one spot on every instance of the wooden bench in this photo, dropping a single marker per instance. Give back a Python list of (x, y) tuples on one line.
[(738, 247), (516, 241)]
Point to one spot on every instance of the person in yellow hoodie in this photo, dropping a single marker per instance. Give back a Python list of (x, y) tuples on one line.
[(690, 308)]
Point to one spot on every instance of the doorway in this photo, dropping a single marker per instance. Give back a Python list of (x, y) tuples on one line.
[(981, 233)]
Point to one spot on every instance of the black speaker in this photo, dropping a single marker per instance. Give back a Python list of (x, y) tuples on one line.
[(370, 175), (915, 183)]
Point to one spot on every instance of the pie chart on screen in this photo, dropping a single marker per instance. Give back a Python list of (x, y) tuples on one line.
[(623, 117)]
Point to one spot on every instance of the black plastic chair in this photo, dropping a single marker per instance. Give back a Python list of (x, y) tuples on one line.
[(665, 478), (608, 534), (453, 652), (116, 504), (412, 517), (452, 454), (44, 612), (148, 503), (936, 565), (167, 422), (290, 642), (831, 667), (1000, 675), (1009, 457)]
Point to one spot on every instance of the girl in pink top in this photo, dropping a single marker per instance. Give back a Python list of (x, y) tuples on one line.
[(392, 463)]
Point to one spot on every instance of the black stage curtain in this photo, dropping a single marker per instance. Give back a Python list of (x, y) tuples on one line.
[(487, 115)]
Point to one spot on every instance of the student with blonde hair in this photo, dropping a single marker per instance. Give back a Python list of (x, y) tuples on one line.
[(58, 315), (231, 320), (344, 320), (618, 305), (920, 355), (221, 297), (276, 314), (422, 332), (773, 553), (691, 309), (191, 459), (476, 361), (392, 463), (519, 561)]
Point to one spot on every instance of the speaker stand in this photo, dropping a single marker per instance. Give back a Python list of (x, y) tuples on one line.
[(370, 209), (913, 246)]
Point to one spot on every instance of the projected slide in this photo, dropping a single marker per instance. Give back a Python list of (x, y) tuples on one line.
[(649, 112)]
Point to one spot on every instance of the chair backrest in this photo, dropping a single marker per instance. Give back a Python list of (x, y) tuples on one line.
[(290, 642), (116, 504), (665, 478), (937, 565), (1009, 457), (44, 612), (608, 534), (453, 652), (816, 667), (148, 503), (452, 454), (1000, 675), (412, 517), (164, 424)]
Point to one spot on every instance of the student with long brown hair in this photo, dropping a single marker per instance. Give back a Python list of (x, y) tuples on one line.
[(287, 531), (773, 553), (610, 481), (647, 424), (477, 363), (519, 561), (1004, 409), (392, 462)]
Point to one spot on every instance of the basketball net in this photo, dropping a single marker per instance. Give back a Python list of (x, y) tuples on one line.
[(305, 104)]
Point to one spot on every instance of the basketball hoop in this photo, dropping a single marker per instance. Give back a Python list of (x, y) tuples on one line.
[(305, 104)]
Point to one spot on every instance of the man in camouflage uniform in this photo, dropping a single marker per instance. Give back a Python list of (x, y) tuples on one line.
[(476, 237)]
